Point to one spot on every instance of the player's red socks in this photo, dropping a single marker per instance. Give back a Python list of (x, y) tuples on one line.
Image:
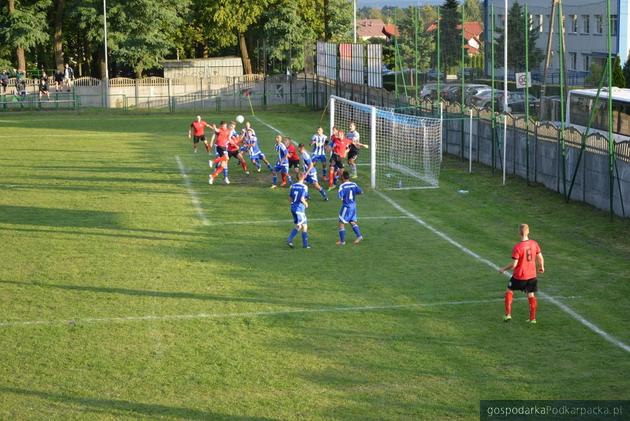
[(508, 302), (533, 304), (217, 171), (284, 179), (244, 165), (218, 159), (331, 177)]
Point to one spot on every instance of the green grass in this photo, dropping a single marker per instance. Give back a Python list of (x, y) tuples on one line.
[(97, 223)]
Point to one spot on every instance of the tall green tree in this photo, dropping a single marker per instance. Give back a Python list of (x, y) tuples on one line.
[(450, 36), (340, 20), (516, 41), (472, 11), (618, 79), (23, 27)]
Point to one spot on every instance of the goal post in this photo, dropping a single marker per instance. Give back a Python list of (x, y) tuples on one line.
[(405, 150)]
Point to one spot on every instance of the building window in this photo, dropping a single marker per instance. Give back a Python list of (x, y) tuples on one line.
[(586, 62), (613, 29), (599, 24), (573, 61), (574, 24), (586, 24)]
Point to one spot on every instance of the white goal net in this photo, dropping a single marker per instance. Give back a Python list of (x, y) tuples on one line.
[(405, 150)]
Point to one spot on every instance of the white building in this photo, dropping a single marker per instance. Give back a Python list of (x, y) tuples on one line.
[(586, 30)]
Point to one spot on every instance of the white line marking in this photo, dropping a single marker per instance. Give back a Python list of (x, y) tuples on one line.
[(153, 318), (191, 192), (471, 253), (551, 299), (288, 221)]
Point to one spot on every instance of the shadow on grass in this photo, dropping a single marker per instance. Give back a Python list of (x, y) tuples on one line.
[(55, 217), (118, 407), (163, 294)]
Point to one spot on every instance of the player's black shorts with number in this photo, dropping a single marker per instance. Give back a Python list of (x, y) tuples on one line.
[(336, 161), (530, 285), (294, 164), (197, 139), (221, 150), (233, 154), (353, 153)]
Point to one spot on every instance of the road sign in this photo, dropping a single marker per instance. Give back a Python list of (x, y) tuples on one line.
[(523, 79)]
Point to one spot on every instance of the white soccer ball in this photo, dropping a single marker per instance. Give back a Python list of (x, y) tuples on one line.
[(240, 119)]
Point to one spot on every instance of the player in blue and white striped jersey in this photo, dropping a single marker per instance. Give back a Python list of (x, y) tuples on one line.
[(310, 171), (250, 143), (298, 196), (319, 141), (348, 192), (282, 164)]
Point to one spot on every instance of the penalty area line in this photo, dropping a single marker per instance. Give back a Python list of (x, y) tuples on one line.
[(562, 306), (194, 198), (285, 312)]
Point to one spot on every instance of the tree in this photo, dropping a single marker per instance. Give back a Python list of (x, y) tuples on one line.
[(58, 33), (23, 27), (287, 30), (472, 11), (450, 36), (340, 20), (516, 41), (618, 78)]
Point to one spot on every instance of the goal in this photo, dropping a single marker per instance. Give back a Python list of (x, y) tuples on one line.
[(405, 150)]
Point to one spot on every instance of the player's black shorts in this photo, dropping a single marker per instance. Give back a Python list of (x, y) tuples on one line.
[(233, 154), (530, 285), (294, 164), (336, 161), (221, 150), (352, 154), (197, 139)]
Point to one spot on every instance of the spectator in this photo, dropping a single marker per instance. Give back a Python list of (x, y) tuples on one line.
[(4, 81), (43, 86), (20, 82), (58, 80), (68, 77)]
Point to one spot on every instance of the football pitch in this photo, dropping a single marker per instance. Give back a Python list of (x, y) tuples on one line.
[(131, 289)]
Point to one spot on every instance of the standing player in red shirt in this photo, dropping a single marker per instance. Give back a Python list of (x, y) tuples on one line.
[(293, 156), (525, 254), (197, 132), (339, 152)]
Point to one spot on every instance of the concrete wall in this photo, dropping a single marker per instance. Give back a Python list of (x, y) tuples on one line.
[(592, 179)]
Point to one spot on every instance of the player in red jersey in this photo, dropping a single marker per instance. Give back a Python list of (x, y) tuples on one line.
[(197, 132), (333, 138), (223, 134), (293, 156), (234, 148), (221, 166), (525, 255), (340, 148)]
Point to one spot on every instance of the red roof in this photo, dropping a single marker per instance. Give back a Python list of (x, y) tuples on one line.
[(375, 28), (472, 31)]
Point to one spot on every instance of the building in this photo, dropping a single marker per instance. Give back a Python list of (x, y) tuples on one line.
[(375, 28), (585, 26), (472, 34)]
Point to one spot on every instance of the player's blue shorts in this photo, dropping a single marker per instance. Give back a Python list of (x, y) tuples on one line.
[(348, 214), (281, 168), (299, 217), (257, 156), (311, 179), (319, 158)]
